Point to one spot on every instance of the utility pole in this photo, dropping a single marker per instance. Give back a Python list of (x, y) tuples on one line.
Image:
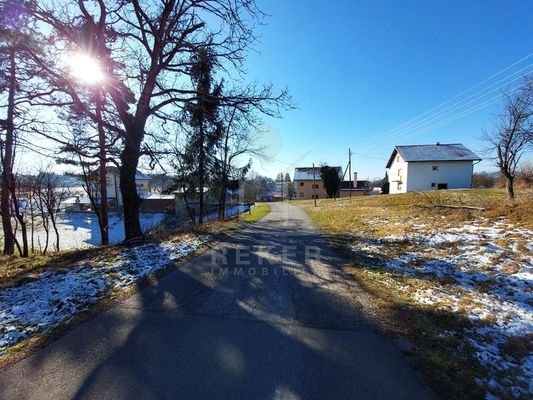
[(282, 177), (314, 186), (350, 170)]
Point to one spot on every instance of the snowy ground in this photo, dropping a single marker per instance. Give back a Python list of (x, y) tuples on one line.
[(80, 229), (56, 296), (483, 272)]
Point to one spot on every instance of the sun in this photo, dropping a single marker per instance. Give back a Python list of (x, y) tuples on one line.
[(86, 69)]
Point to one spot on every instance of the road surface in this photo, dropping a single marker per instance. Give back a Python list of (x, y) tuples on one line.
[(267, 314)]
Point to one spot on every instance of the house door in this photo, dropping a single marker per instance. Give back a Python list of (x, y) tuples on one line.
[(442, 186)]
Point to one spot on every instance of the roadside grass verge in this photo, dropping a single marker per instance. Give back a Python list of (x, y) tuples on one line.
[(72, 286), (455, 282), (256, 213)]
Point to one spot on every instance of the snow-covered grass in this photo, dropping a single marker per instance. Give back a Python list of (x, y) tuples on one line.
[(478, 272), (458, 283), (54, 297)]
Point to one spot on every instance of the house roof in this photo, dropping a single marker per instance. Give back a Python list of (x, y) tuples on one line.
[(433, 152), (306, 173), (157, 196)]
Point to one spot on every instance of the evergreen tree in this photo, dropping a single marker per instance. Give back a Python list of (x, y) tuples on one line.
[(331, 180), (202, 114), (385, 185)]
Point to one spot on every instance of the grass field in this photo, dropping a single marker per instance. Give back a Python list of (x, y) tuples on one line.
[(456, 282), (259, 211)]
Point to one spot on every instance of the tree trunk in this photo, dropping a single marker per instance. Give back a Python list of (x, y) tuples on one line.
[(131, 200), (222, 201), (7, 162), (56, 231), (201, 173), (509, 184), (104, 220)]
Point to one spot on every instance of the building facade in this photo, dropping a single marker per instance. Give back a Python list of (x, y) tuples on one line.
[(142, 182), (308, 184), (430, 167)]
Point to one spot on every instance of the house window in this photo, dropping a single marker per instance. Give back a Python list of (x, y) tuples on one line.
[(301, 183), (435, 167), (301, 194), (442, 186), (399, 172), (397, 158), (314, 196), (399, 186), (433, 184), (315, 187)]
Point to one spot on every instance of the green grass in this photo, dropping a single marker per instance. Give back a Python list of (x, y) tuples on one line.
[(446, 360), (259, 211)]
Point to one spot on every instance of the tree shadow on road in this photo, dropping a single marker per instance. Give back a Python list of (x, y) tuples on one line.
[(268, 324)]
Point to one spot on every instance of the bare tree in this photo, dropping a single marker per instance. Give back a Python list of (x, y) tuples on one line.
[(21, 82), (145, 48), (525, 174), (20, 194), (50, 193), (513, 133)]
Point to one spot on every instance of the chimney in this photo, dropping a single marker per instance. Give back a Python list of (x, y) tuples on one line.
[(355, 180)]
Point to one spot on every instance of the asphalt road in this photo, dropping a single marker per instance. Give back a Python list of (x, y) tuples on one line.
[(267, 314)]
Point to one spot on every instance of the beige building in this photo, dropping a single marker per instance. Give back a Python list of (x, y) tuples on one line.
[(304, 180)]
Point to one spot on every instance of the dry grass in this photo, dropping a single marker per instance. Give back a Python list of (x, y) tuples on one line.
[(397, 212), (519, 347), (257, 212), (447, 360)]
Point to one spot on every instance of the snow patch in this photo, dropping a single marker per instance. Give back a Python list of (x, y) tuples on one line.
[(56, 296)]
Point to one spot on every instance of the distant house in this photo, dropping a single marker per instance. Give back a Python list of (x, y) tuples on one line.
[(355, 187), (189, 203), (305, 178), (156, 202), (142, 183), (428, 167)]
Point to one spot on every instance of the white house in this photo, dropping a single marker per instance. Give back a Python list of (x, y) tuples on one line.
[(142, 182), (428, 167)]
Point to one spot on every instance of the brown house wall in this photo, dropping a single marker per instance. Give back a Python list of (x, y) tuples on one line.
[(307, 190)]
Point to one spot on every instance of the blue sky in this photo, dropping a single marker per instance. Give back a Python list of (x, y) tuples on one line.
[(359, 69)]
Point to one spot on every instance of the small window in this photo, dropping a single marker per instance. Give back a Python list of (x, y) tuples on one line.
[(399, 186), (399, 172), (398, 158), (433, 184), (435, 168), (314, 196), (301, 183), (315, 187), (301, 194)]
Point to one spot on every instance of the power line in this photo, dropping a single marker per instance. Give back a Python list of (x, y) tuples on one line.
[(467, 90), (457, 116), (408, 124), (451, 108), (451, 114)]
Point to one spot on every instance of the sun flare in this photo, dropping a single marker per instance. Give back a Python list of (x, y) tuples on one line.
[(86, 68)]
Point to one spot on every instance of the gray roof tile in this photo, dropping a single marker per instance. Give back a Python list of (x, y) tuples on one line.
[(433, 152)]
